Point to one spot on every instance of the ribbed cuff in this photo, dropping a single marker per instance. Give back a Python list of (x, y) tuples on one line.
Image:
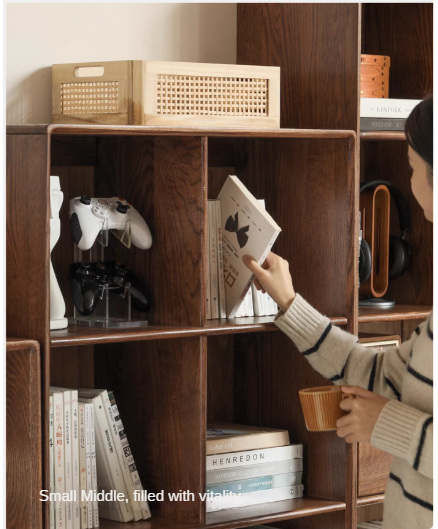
[(396, 429), (301, 322)]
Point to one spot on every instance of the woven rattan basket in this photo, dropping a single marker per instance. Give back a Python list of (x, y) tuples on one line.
[(174, 94)]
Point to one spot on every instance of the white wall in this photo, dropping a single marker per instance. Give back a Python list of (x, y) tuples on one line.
[(39, 35)]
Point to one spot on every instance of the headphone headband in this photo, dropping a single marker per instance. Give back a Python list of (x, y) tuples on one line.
[(399, 199)]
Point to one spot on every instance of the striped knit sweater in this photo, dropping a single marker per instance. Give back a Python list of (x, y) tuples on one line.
[(404, 428)]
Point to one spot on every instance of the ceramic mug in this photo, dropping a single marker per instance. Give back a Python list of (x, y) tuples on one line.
[(321, 407)]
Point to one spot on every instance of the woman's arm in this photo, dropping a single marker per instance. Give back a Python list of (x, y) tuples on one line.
[(334, 353), (338, 356)]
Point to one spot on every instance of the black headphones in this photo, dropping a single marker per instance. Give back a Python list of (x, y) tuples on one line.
[(400, 252)]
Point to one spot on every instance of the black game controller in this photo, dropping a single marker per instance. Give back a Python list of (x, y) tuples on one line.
[(87, 281)]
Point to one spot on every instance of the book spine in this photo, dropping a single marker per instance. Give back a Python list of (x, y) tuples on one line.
[(93, 468), (208, 282), (68, 451), (51, 459), (272, 307), (213, 260), (255, 484), (58, 404), (121, 454), (386, 108), (249, 302), (75, 460), (369, 124), (242, 443), (119, 510), (265, 455), (83, 466), (251, 279), (137, 485), (253, 471), (88, 459), (254, 498), (222, 306)]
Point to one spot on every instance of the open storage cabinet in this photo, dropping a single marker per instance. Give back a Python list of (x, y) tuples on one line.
[(181, 371)]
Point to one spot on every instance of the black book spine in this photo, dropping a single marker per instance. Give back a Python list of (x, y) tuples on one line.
[(382, 124)]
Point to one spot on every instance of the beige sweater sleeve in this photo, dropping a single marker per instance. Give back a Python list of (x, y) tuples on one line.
[(338, 356)]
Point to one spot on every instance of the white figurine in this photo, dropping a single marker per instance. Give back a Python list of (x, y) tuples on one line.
[(57, 304)]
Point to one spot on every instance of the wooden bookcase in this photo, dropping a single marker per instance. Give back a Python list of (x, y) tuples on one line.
[(182, 371)]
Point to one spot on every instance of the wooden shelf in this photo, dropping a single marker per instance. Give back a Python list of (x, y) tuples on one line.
[(396, 313), (136, 130), (383, 135), (78, 335), (371, 500), (242, 517)]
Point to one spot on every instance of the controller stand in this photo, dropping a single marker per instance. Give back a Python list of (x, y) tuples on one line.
[(112, 310)]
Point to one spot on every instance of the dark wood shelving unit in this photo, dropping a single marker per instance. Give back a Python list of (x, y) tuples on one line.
[(182, 371)]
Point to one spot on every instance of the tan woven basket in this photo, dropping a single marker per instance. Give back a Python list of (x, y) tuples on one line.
[(174, 94)]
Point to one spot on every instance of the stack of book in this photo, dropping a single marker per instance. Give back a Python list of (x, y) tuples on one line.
[(237, 225), (92, 469), (385, 114), (247, 465)]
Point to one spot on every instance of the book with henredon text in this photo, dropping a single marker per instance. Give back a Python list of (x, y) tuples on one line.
[(223, 438), (264, 455), (246, 229)]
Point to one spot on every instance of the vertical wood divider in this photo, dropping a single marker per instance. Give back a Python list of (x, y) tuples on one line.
[(28, 252), (204, 225)]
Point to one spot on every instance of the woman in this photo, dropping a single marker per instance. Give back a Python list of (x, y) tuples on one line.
[(394, 407)]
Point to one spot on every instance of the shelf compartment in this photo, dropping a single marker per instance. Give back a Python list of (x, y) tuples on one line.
[(383, 135), (78, 335), (242, 517), (396, 313)]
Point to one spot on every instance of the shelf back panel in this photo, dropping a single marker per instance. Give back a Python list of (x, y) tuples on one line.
[(163, 177), (316, 47), (405, 33), (160, 388), (308, 188)]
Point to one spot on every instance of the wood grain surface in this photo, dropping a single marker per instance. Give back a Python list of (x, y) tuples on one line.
[(405, 33), (23, 435), (373, 470), (301, 39), (161, 389)]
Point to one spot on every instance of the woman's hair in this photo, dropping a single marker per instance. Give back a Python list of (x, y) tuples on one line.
[(419, 132)]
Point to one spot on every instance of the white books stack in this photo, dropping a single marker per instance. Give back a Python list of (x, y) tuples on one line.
[(385, 114), (248, 466), (90, 457), (225, 267)]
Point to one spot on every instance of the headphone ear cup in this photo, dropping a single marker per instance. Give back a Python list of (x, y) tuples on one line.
[(400, 254), (365, 261)]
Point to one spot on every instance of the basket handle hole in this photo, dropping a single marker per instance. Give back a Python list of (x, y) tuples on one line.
[(89, 71)]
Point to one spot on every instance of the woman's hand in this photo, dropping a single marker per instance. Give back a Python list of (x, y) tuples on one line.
[(274, 278), (364, 411)]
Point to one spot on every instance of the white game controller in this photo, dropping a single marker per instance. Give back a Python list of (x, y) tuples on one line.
[(88, 216)]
